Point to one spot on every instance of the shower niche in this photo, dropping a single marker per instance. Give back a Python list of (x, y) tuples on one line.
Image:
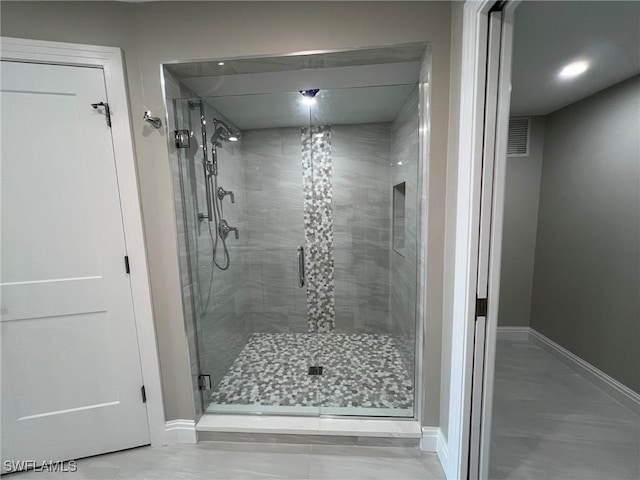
[(290, 224)]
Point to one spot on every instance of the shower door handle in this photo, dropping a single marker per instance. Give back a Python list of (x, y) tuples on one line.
[(300, 267)]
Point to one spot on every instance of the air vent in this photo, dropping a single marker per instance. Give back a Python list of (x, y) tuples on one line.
[(518, 143)]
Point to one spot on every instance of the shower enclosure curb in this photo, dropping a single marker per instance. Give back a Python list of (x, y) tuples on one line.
[(310, 426)]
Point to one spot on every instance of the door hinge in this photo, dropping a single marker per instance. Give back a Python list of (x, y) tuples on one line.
[(126, 264), (182, 138), (204, 382), (107, 111), (144, 394), (481, 307)]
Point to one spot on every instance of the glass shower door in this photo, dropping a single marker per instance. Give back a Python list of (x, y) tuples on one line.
[(255, 346), (366, 148)]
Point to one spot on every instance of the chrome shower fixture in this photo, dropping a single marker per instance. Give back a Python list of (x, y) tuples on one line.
[(309, 96), (214, 193), (223, 193), (223, 132), (223, 230), (155, 122)]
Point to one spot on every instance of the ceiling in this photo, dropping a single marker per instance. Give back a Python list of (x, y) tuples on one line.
[(358, 86), (549, 35), (333, 107), (306, 79)]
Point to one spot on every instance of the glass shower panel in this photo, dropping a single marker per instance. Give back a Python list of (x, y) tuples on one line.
[(366, 143), (255, 346), (310, 309)]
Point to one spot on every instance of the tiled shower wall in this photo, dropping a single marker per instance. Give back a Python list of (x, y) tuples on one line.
[(275, 208), (403, 274), (374, 287), (222, 300), (317, 185), (361, 208), (361, 211)]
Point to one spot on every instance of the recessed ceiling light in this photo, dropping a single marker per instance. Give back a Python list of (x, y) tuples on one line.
[(309, 96), (220, 63), (574, 69)]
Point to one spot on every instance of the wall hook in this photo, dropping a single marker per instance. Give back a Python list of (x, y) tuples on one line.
[(155, 122)]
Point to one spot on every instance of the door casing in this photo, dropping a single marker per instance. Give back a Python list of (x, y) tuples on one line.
[(477, 92)]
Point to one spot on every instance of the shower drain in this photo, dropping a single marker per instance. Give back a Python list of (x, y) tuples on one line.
[(315, 370)]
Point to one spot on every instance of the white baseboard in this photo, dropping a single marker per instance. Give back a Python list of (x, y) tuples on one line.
[(443, 453), (429, 439), (614, 388), (513, 333), (180, 431), (433, 440)]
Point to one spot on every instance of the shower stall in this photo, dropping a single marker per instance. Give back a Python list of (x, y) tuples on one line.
[(299, 213)]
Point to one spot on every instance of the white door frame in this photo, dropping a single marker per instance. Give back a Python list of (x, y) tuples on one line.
[(502, 100), (473, 99), (110, 60)]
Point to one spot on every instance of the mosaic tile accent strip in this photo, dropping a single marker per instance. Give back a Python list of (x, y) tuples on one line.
[(318, 228), (359, 370)]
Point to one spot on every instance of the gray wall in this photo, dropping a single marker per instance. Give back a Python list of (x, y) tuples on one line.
[(450, 211), (362, 216), (274, 202), (259, 292), (275, 206), (587, 277), (519, 233), (403, 274), (219, 300), (222, 297), (204, 30)]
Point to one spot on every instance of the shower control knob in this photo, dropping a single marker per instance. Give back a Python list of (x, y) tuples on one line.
[(224, 228), (222, 193)]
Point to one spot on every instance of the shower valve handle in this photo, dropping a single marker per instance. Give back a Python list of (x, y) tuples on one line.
[(222, 193), (224, 228)]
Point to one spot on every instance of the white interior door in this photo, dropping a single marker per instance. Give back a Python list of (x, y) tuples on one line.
[(70, 366), (479, 400), (496, 120)]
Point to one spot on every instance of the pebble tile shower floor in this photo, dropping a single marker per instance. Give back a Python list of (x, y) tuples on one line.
[(359, 370)]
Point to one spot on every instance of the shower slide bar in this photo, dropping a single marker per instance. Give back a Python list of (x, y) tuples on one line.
[(207, 166)]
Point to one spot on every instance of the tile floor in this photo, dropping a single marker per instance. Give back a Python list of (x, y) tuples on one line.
[(359, 371), (551, 423), (236, 460)]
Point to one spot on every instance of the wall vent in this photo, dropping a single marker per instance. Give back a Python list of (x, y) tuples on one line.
[(518, 143)]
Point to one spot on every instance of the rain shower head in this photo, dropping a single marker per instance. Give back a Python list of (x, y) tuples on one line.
[(223, 132)]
